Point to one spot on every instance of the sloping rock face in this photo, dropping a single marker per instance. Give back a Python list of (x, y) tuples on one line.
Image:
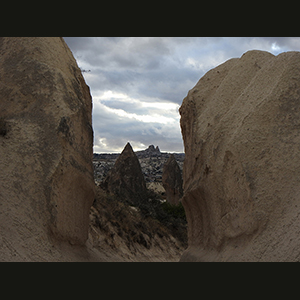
[(46, 139), (172, 180), (126, 179), (241, 131)]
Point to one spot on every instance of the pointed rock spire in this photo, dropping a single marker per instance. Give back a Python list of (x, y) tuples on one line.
[(126, 179), (172, 180)]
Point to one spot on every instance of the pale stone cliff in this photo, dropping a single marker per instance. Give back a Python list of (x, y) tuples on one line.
[(46, 139), (241, 131)]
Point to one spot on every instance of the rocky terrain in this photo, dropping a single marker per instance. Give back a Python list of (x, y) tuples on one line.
[(122, 232), (240, 126), (172, 181), (46, 174), (127, 215), (125, 180), (50, 208), (241, 168), (151, 161)]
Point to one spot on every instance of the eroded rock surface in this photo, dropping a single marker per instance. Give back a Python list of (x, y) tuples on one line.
[(172, 180), (46, 139), (241, 131), (126, 179)]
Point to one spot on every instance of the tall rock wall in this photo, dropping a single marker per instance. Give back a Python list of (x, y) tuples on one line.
[(241, 131), (46, 139)]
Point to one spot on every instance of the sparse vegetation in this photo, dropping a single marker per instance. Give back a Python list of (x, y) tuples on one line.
[(125, 212), (137, 223), (171, 216)]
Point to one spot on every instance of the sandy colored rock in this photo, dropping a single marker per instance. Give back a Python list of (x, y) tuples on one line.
[(241, 125), (156, 187), (46, 139), (172, 180)]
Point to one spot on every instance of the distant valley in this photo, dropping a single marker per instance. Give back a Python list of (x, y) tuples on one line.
[(151, 161)]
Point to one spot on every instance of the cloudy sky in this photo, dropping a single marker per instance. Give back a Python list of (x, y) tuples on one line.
[(138, 83)]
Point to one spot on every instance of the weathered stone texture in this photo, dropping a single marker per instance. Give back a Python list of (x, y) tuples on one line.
[(241, 131), (46, 139), (172, 180), (126, 179)]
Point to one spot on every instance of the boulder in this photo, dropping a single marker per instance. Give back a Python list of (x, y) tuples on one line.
[(172, 180), (241, 132), (125, 179), (46, 139)]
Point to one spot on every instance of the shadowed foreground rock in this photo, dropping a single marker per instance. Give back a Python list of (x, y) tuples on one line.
[(172, 180), (46, 139), (241, 131)]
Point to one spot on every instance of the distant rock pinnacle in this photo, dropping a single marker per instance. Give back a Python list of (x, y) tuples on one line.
[(126, 179), (152, 149), (172, 180)]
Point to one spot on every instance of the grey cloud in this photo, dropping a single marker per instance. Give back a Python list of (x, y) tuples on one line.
[(287, 43), (120, 53), (117, 134), (117, 131), (126, 106), (77, 44), (134, 65), (155, 69), (169, 83)]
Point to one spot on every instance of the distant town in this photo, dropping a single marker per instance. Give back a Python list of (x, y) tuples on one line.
[(151, 161)]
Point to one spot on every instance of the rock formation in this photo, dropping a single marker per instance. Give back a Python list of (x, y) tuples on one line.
[(126, 179), (241, 131), (151, 165), (46, 139), (150, 151), (172, 180)]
